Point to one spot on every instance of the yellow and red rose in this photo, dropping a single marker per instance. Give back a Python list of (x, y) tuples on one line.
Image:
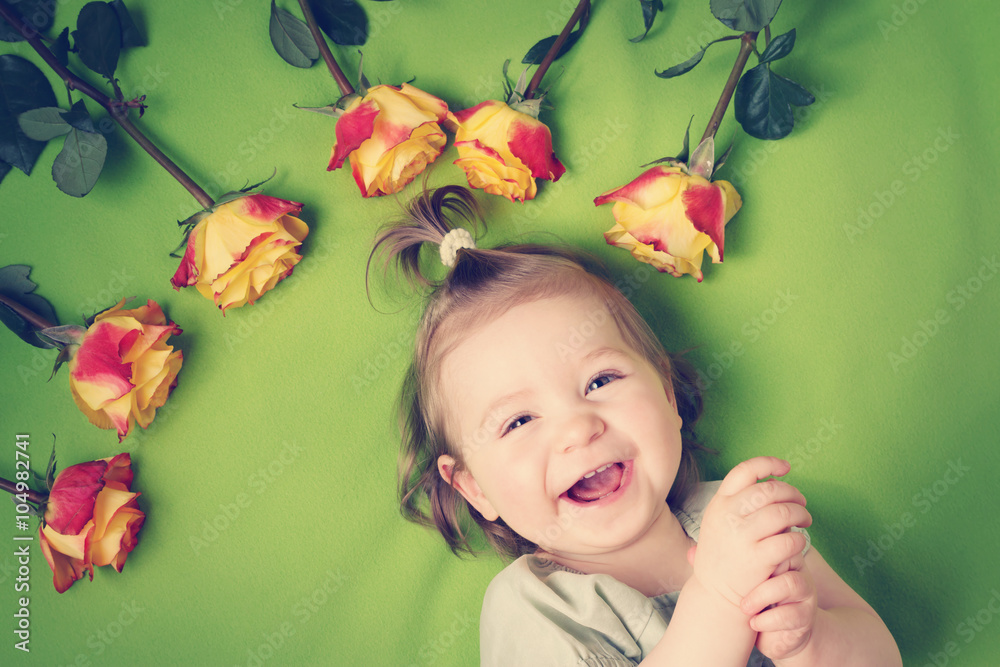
[(390, 136), (92, 518), (122, 369), (669, 218), (242, 249), (503, 151)]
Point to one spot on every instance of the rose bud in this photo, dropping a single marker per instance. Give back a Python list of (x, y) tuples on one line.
[(503, 151), (91, 518), (390, 135), (122, 369), (242, 249), (668, 217)]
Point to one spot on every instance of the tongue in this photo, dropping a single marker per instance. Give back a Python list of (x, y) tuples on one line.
[(601, 484)]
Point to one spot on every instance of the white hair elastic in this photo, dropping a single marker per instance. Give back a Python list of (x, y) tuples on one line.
[(454, 241)]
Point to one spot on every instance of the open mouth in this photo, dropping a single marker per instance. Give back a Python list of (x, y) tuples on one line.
[(600, 484)]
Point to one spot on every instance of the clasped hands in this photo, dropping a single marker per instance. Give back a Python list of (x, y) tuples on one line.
[(748, 554)]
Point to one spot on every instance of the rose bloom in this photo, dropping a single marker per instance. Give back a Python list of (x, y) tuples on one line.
[(91, 518), (503, 151), (122, 368), (242, 249), (668, 217), (390, 135)]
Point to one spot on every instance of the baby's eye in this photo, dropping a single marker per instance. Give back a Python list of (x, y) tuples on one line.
[(517, 422), (601, 380)]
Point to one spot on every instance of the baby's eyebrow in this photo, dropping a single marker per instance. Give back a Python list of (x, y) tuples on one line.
[(603, 351)]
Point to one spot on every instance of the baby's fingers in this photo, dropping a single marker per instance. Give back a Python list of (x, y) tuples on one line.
[(751, 470), (781, 547), (775, 519), (782, 618), (784, 590)]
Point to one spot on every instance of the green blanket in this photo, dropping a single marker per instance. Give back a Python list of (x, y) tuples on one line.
[(852, 327)]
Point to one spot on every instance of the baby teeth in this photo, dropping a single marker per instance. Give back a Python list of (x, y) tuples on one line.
[(601, 469)]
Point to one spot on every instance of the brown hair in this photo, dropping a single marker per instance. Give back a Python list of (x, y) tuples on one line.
[(483, 284)]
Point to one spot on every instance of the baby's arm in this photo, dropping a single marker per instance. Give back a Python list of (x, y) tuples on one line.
[(744, 537), (819, 620)]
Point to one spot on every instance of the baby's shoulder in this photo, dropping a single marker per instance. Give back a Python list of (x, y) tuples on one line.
[(693, 509), (535, 608)]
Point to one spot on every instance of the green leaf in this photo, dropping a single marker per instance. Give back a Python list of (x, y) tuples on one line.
[(745, 15), (4, 169), (344, 21), (79, 163), (16, 286), (329, 110), (779, 47), (291, 38), (98, 38), (130, 32), (763, 103), (689, 64), (22, 87), (536, 54), (43, 123), (50, 469), (36, 14), (649, 9), (79, 118), (60, 48)]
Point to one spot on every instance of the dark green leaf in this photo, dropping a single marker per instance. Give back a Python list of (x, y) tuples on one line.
[(536, 54), (689, 64), (130, 33), (779, 47), (763, 103), (649, 9), (291, 38), (22, 87), (725, 156), (98, 38), (745, 15), (4, 169), (60, 48), (683, 155), (79, 118), (35, 14), (79, 163), (344, 21), (16, 286), (43, 123), (50, 469)]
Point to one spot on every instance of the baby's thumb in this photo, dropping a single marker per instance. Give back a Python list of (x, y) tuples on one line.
[(691, 554)]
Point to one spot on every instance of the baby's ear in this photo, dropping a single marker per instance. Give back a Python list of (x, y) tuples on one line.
[(463, 481)]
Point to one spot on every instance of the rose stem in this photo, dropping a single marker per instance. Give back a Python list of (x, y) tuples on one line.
[(331, 64), (747, 42), (32, 317), (33, 496), (550, 56), (115, 108)]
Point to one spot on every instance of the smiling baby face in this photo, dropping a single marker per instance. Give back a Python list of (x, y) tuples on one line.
[(565, 432)]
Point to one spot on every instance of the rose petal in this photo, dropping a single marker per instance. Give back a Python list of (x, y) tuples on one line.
[(353, 128), (531, 142), (71, 500), (66, 569), (653, 187), (705, 208), (97, 371), (264, 209)]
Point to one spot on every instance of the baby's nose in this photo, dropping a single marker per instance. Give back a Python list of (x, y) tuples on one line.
[(580, 428)]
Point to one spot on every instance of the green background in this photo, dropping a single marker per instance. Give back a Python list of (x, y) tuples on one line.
[(862, 227)]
